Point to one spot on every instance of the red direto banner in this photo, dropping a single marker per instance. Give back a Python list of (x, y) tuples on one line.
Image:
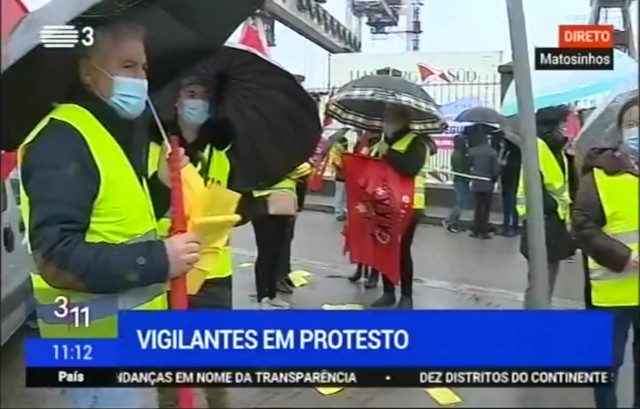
[(379, 207)]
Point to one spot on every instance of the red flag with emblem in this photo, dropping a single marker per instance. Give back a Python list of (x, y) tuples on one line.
[(379, 208), (253, 36)]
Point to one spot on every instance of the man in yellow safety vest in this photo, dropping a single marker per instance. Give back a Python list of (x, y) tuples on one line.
[(554, 171), (605, 223), (89, 211), (406, 152), (207, 147)]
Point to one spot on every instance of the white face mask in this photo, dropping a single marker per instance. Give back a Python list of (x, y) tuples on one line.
[(630, 139)]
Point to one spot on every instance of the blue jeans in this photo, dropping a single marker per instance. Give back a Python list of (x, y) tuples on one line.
[(340, 199), (111, 397), (461, 188), (623, 319)]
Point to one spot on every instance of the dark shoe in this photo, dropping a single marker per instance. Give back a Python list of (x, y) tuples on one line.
[(486, 236), (341, 217), (452, 228), (372, 280), (405, 303), (283, 288), (473, 235), (386, 301), (356, 276), (510, 233)]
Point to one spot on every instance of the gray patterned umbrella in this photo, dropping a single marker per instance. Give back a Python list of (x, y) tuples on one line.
[(600, 131), (362, 103)]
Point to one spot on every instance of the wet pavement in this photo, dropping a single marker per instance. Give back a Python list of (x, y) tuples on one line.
[(453, 272)]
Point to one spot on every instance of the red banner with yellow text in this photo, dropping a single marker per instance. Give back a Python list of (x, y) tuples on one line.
[(379, 208)]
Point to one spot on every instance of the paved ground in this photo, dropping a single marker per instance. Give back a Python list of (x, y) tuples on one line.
[(454, 272), (433, 214)]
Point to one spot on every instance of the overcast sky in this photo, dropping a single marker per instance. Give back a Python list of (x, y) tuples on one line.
[(448, 25)]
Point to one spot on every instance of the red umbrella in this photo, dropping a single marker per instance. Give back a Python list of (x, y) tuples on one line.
[(178, 296), (178, 300)]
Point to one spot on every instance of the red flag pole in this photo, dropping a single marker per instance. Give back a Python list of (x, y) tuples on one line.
[(178, 300)]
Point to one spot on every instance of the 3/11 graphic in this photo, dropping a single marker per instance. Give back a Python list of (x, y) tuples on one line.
[(66, 36)]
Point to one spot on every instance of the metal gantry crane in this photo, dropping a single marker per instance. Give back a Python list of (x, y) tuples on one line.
[(383, 15), (623, 38)]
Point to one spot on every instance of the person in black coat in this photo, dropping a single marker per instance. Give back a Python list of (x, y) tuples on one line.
[(483, 160), (559, 242), (510, 164)]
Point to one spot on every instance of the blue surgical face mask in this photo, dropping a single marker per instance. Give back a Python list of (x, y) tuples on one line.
[(630, 139), (195, 111), (128, 95)]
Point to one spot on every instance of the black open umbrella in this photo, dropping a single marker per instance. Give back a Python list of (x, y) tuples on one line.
[(362, 103), (274, 122), (480, 115), (180, 33)]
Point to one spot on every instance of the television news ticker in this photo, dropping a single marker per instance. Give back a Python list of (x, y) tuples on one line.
[(304, 377)]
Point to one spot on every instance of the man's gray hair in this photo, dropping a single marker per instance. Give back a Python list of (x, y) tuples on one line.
[(106, 35)]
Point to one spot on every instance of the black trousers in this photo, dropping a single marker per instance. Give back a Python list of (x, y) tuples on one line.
[(284, 264), (509, 194), (215, 294), (406, 262), (273, 243), (482, 212)]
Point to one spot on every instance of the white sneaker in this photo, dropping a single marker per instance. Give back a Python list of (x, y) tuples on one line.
[(278, 303), (265, 304)]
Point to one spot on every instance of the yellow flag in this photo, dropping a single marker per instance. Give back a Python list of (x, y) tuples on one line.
[(193, 191), (218, 201), (214, 234)]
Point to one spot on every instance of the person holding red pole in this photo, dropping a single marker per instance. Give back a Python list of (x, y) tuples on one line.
[(90, 208), (406, 153)]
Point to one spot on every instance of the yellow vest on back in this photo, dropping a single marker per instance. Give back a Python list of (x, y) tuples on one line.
[(554, 180), (420, 181), (619, 200), (218, 168), (122, 213)]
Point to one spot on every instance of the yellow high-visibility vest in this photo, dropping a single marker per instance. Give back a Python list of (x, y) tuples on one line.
[(218, 169), (122, 213), (619, 200), (289, 182), (554, 180), (420, 181)]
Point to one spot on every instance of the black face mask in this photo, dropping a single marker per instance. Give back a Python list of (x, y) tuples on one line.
[(558, 141)]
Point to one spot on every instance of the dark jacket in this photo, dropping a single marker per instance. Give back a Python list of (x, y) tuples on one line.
[(61, 179), (410, 162), (588, 215), (483, 161), (560, 243), (511, 162), (460, 157)]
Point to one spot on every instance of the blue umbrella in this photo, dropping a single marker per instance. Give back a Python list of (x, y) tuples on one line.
[(551, 88)]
